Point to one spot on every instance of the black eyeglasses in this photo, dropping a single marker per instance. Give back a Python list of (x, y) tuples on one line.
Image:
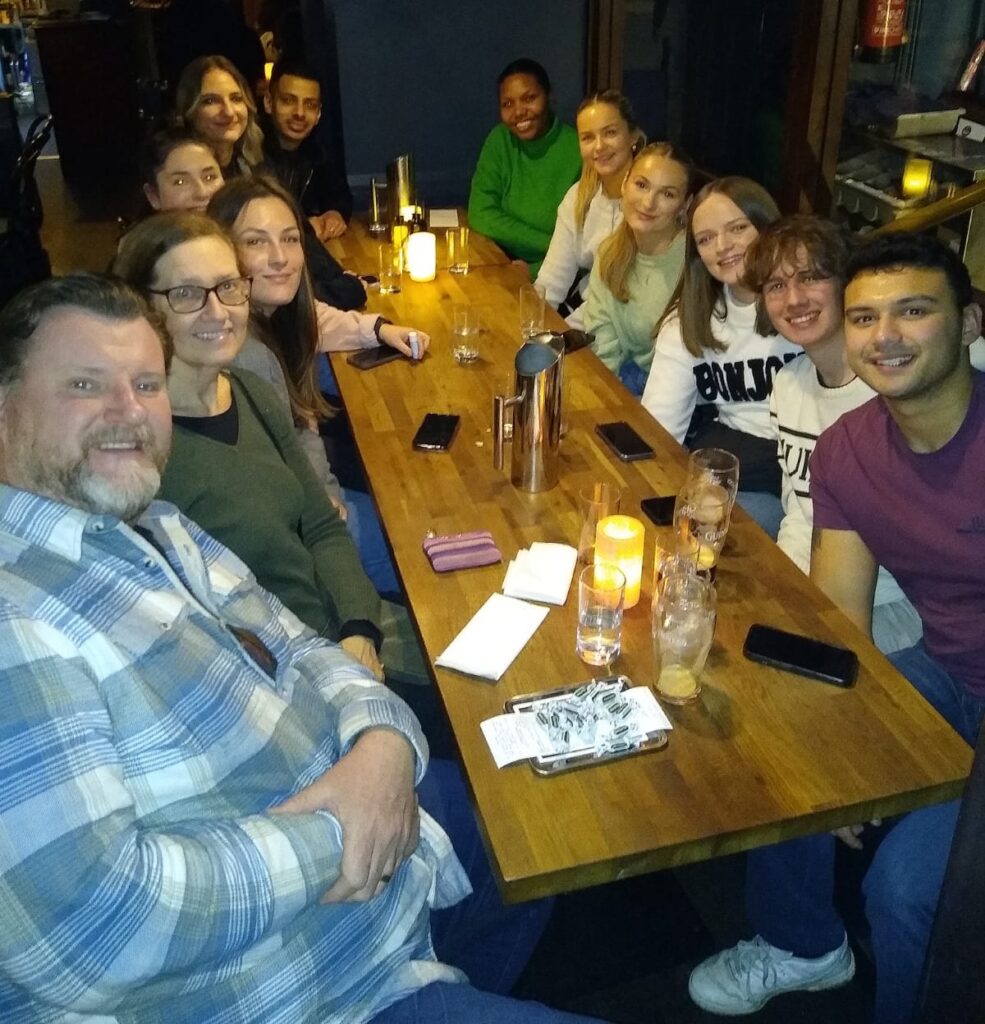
[(190, 298)]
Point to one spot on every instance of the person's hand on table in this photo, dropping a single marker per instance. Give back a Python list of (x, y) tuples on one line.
[(362, 649), (850, 835), (330, 224), (396, 337), (370, 792)]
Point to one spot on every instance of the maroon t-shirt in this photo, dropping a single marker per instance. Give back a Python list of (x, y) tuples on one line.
[(921, 515)]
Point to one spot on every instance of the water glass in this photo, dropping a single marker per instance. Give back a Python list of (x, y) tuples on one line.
[(457, 241), (597, 501), (533, 302), (715, 466), (391, 267), (601, 593), (466, 326), (683, 626)]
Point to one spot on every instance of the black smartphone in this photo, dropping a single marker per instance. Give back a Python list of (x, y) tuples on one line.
[(436, 432), (659, 510), (370, 358), (801, 654), (624, 441)]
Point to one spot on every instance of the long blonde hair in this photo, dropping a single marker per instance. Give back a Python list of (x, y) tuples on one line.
[(618, 252), (188, 94), (588, 183), (698, 296)]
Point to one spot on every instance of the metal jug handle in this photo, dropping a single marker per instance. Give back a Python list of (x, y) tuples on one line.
[(500, 405)]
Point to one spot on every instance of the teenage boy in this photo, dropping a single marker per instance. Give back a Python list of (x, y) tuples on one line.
[(797, 267), (896, 482)]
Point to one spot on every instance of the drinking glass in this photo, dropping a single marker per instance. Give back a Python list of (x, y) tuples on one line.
[(466, 326), (674, 555), (683, 625), (702, 514), (716, 466), (532, 306), (597, 501), (457, 241), (391, 267), (601, 593)]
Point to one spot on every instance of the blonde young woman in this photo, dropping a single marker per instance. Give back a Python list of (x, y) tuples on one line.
[(713, 350), (214, 101), (639, 265), (591, 210)]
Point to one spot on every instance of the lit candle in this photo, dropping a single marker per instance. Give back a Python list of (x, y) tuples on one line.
[(422, 256), (917, 177), (619, 543)]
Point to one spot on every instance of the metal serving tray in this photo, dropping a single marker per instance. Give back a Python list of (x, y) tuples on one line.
[(555, 764)]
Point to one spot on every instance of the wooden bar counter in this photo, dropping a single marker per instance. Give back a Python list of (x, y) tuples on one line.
[(762, 756)]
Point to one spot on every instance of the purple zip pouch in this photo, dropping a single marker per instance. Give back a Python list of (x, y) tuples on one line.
[(462, 551)]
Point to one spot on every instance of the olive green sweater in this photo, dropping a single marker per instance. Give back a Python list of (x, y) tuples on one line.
[(261, 499)]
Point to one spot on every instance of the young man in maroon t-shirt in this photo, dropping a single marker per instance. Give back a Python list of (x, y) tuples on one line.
[(896, 482)]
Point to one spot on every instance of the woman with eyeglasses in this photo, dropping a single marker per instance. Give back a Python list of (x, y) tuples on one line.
[(236, 467)]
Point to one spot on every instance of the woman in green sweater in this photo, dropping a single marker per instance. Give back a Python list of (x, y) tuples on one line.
[(236, 467), (639, 264), (527, 163)]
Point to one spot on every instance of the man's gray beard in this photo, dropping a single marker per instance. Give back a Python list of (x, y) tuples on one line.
[(78, 485)]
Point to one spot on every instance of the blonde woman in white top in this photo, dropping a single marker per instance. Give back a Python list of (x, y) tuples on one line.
[(608, 138)]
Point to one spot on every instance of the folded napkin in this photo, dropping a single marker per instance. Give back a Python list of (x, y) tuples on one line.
[(493, 637), (541, 573)]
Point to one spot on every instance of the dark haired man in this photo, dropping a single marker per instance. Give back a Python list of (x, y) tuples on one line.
[(896, 482), (797, 267), (312, 173), (208, 812)]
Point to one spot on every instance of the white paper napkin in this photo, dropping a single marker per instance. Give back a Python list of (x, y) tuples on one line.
[(443, 218), (493, 637), (541, 573)]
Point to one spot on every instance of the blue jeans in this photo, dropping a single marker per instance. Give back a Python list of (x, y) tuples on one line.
[(633, 377), (327, 383), (443, 1003), (489, 940), (790, 887), (367, 533), (764, 507)]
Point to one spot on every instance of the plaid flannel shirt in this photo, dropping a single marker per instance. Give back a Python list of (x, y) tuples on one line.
[(141, 877)]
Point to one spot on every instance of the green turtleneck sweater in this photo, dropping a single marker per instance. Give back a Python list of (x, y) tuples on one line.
[(517, 187)]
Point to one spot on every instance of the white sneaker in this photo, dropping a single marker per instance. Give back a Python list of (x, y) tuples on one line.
[(744, 978)]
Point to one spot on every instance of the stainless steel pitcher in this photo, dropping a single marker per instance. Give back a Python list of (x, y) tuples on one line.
[(400, 185), (536, 408)]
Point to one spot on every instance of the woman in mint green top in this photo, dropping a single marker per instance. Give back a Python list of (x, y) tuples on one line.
[(527, 163), (639, 264)]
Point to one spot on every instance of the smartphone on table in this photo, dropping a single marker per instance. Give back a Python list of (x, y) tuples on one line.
[(660, 511), (795, 653), (370, 358), (436, 432), (624, 441)]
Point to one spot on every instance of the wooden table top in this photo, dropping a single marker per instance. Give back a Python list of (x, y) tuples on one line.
[(761, 756), (357, 250)]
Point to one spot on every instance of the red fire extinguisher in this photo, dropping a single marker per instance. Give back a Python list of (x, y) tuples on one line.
[(883, 30)]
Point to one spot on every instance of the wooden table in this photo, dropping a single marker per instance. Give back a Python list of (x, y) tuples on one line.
[(357, 250), (762, 756)]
